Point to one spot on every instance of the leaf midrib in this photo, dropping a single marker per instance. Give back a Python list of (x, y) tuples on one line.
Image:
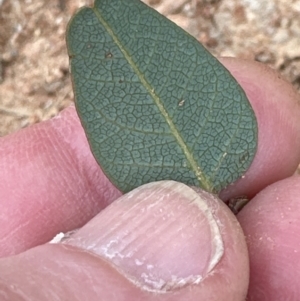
[(203, 182)]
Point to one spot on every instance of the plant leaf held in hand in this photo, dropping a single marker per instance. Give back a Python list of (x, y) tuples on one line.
[(154, 103)]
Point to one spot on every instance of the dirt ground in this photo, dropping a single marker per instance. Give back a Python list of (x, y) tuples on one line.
[(34, 73)]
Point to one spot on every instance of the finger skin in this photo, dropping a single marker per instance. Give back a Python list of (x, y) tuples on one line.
[(271, 223), (50, 182), (277, 107), (68, 272)]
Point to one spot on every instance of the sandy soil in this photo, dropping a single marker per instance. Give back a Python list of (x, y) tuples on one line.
[(34, 73)]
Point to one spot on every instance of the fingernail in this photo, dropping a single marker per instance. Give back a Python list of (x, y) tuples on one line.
[(161, 236)]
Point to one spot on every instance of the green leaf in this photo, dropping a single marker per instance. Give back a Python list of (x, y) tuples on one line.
[(153, 102)]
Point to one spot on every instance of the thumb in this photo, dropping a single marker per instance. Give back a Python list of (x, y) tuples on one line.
[(162, 241)]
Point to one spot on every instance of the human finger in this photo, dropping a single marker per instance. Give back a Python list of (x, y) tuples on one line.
[(277, 108), (49, 183), (162, 241), (271, 223)]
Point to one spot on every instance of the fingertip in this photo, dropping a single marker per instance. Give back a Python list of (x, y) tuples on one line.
[(277, 108), (271, 225), (168, 238)]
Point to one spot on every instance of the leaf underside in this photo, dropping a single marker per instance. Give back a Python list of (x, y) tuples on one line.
[(154, 103)]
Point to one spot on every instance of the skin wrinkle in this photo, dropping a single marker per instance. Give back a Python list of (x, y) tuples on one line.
[(60, 186), (86, 178), (66, 158), (9, 234), (46, 164), (10, 293), (25, 223), (82, 150)]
